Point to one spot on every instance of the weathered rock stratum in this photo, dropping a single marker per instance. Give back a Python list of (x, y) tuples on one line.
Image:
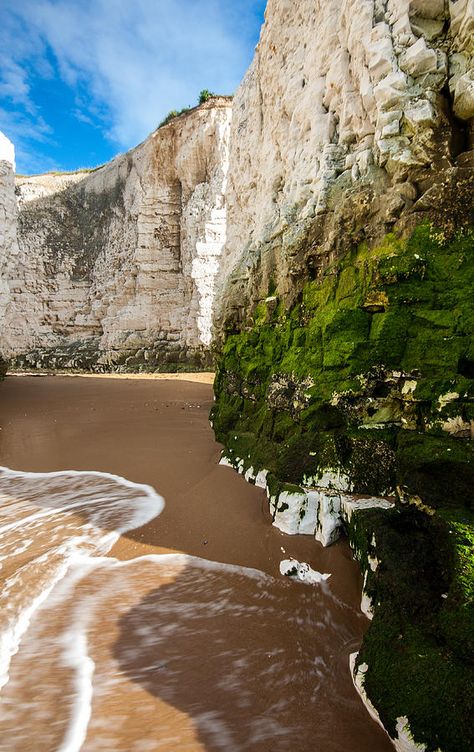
[(115, 268)]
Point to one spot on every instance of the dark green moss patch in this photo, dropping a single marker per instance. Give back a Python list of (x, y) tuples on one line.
[(419, 647), (437, 468), (374, 345)]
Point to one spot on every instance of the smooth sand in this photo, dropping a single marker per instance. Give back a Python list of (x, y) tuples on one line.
[(157, 431)]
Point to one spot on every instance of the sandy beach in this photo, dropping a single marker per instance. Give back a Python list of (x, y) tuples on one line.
[(156, 432)]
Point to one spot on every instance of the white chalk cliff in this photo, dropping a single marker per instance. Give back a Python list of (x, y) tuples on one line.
[(116, 267), (354, 120), (341, 95), (8, 229), (345, 110)]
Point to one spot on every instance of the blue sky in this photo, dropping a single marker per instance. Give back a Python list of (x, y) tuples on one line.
[(81, 80)]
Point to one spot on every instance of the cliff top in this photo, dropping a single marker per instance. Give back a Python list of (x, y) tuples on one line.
[(212, 102)]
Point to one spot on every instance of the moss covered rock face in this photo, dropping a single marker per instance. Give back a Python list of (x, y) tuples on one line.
[(371, 373), (369, 378), (420, 646)]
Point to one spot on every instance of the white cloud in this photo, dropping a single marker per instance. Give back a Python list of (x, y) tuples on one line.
[(22, 132), (136, 60)]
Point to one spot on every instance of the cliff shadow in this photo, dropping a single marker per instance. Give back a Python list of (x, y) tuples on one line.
[(257, 663)]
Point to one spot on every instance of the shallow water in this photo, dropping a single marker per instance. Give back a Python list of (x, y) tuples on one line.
[(162, 651)]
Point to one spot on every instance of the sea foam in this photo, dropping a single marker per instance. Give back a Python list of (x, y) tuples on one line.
[(51, 517)]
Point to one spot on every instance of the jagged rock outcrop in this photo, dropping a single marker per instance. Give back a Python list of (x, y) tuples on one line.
[(115, 268)]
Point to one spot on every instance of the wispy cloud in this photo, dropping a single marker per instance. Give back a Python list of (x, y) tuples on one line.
[(29, 134), (128, 63)]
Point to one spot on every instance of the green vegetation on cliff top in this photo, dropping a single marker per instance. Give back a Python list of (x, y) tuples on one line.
[(204, 96)]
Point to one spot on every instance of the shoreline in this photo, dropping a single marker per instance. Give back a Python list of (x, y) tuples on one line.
[(154, 429), (156, 432), (196, 377)]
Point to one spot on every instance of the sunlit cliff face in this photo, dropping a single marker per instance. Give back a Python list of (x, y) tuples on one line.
[(340, 98), (115, 267)]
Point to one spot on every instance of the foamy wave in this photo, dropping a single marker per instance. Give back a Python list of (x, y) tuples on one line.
[(14, 487), (163, 603), (45, 520), (76, 657), (86, 609), (95, 647), (17, 625)]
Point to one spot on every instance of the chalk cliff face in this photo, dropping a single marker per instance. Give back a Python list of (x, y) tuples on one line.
[(345, 281), (347, 116), (8, 232), (116, 268), (344, 323)]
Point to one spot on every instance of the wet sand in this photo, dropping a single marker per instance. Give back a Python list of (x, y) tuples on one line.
[(156, 432)]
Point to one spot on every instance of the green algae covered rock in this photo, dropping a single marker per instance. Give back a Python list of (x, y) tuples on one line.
[(370, 373), (369, 377), (419, 648)]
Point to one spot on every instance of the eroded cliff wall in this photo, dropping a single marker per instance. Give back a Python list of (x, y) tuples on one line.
[(115, 268), (350, 118), (345, 323), (345, 298)]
